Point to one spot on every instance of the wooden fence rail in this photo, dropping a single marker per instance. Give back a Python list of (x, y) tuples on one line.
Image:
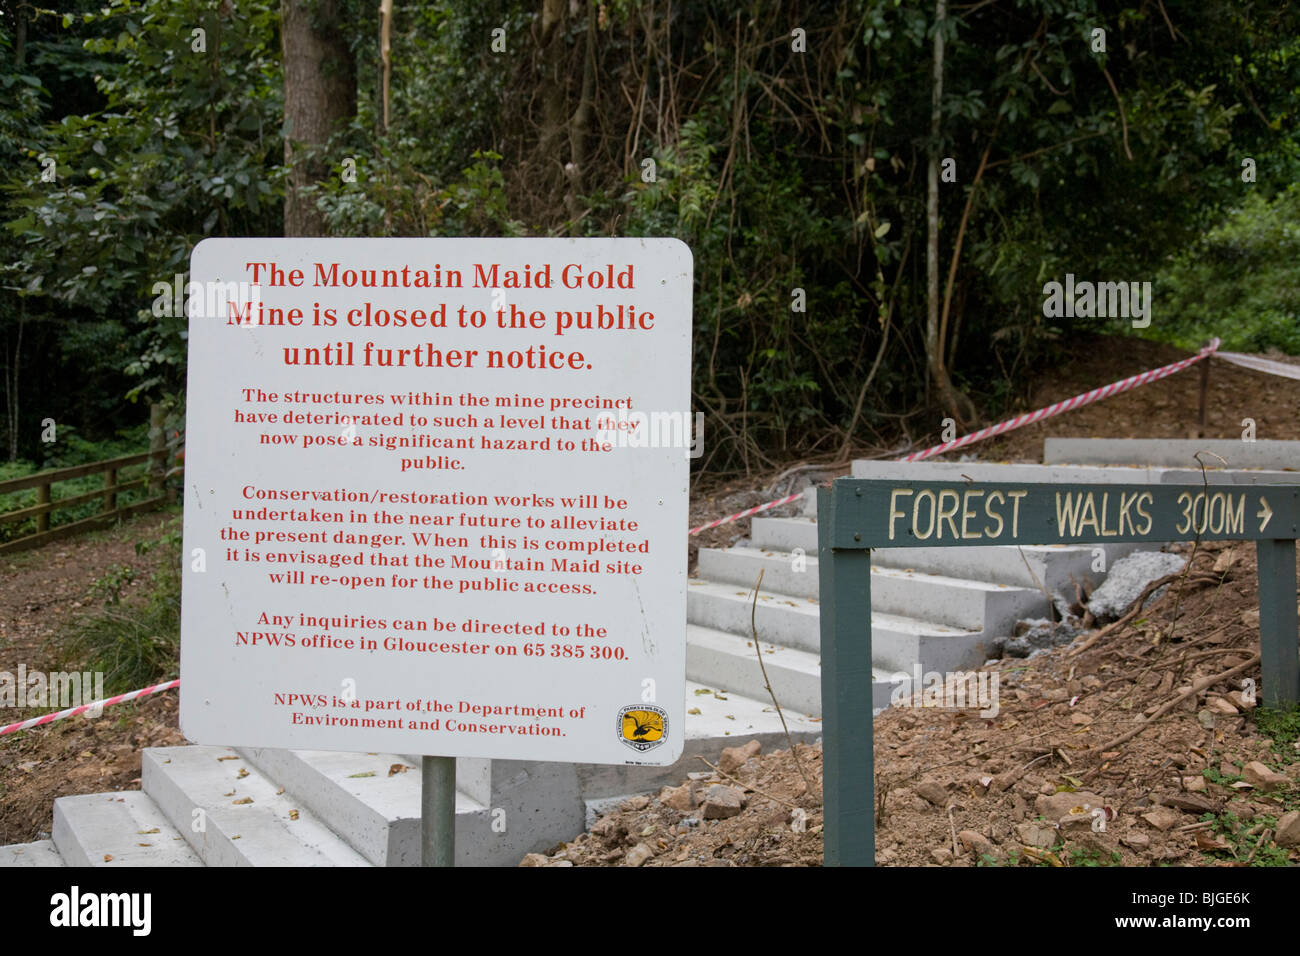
[(153, 479)]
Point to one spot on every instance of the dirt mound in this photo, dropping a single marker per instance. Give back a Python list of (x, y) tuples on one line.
[(1142, 747)]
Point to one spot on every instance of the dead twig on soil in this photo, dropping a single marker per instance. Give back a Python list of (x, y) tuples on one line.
[(1165, 708), (753, 627), (747, 786)]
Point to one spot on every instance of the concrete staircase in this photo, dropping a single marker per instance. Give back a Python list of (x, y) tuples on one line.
[(933, 607)]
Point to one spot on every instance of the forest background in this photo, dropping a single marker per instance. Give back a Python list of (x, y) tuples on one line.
[(875, 191)]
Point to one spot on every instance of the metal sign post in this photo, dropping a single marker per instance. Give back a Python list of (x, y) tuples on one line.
[(437, 811), (855, 515)]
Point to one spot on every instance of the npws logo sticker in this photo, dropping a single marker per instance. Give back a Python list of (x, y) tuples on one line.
[(642, 726)]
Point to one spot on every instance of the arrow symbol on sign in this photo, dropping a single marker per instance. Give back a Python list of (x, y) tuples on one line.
[(1265, 512)]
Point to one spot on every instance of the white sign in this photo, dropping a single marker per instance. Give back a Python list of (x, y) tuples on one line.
[(435, 496)]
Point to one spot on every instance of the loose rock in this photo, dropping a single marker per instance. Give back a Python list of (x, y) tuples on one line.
[(638, 855), (1288, 829), (1031, 834), (932, 791), (978, 844), (1058, 805), (677, 798), (1263, 777), (1162, 818), (733, 758), (721, 802)]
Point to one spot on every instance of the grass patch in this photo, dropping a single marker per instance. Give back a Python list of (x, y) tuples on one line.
[(138, 643), (1245, 841), (1283, 726)]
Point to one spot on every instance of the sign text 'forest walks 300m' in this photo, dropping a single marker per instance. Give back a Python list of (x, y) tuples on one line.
[(415, 518), (857, 515)]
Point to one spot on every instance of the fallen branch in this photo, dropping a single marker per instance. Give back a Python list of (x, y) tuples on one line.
[(1192, 691)]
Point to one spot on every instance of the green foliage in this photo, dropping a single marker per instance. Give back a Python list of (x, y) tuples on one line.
[(782, 171), (1091, 857), (1244, 842), (1241, 282), (109, 586), (1282, 726), (186, 144), (1216, 776)]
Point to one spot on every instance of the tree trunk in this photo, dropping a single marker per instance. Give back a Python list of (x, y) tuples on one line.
[(954, 402), (20, 37), (320, 92), (580, 131), (554, 94)]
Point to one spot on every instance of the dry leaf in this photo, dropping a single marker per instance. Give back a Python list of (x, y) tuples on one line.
[(398, 768), (241, 801), (1042, 856), (293, 814), (1211, 844)]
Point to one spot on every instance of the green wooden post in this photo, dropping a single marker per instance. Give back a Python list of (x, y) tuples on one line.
[(848, 791), (437, 811), (1279, 648)]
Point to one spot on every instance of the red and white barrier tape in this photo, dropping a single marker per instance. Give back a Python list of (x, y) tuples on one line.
[(1257, 364), (74, 711), (1087, 398), (746, 513)]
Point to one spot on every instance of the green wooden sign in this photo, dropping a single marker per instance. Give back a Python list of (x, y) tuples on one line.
[(856, 515)]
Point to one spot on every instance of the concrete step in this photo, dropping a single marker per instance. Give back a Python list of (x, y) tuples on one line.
[(795, 535), (360, 797), (118, 829), (997, 471), (896, 640), (728, 660), (263, 832), (39, 853), (957, 602), (1174, 453), (1057, 566)]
